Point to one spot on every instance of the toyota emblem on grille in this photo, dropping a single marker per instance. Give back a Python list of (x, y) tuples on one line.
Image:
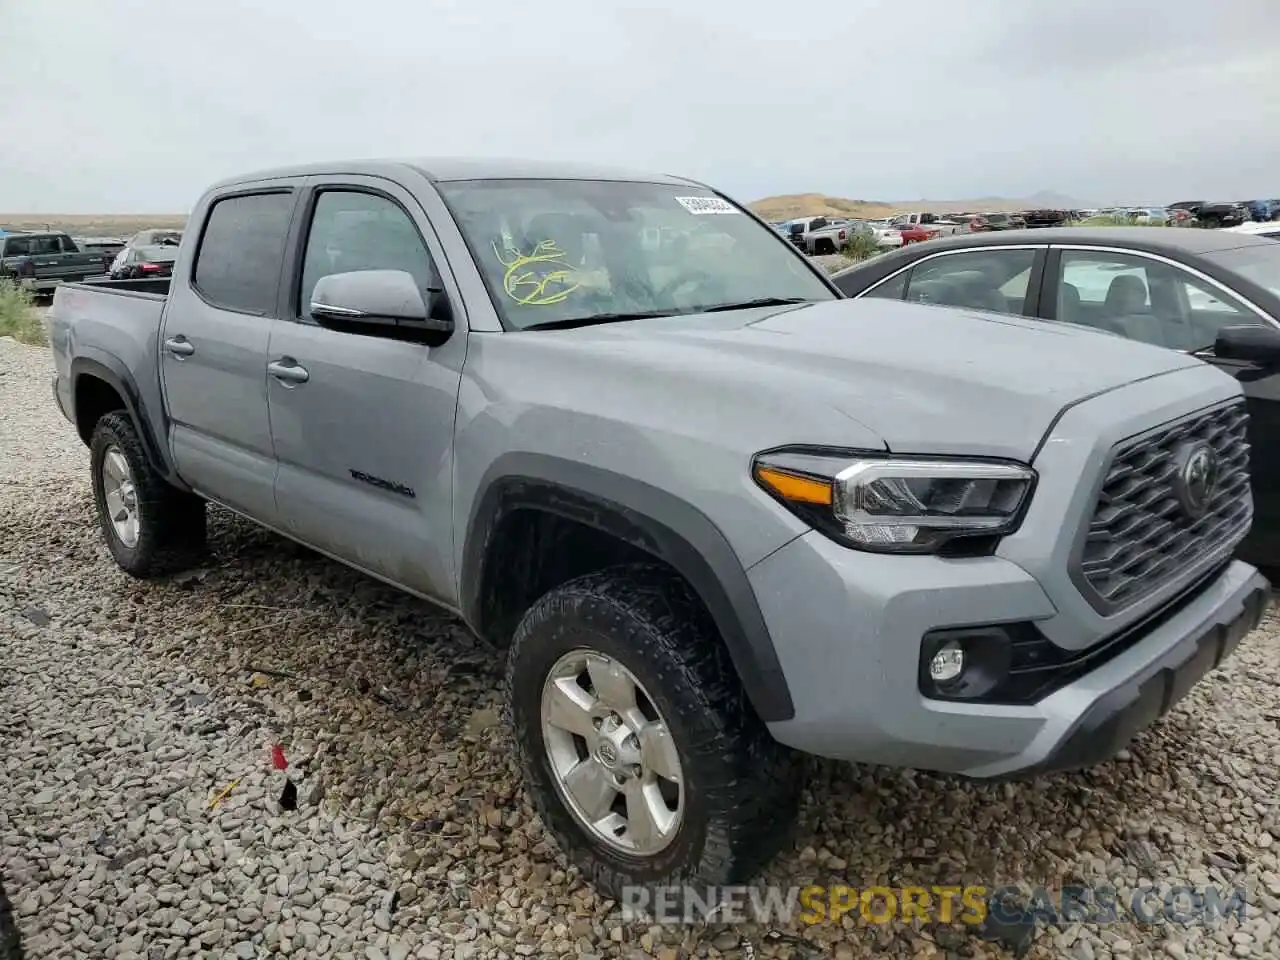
[(1196, 478)]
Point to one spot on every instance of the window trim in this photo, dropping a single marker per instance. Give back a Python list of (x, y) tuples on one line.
[(1167, 261), (204, 231), (314, 193)]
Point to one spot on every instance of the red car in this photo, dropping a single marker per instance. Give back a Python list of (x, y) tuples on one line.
[(916, 234)]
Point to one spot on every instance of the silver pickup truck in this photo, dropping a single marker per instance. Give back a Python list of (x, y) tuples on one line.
[(712, 514)]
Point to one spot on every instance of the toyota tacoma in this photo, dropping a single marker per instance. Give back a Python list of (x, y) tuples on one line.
[(714, 515)]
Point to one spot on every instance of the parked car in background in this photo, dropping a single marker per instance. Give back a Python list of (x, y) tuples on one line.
[(890, 236), (987, 222), (136, 262), (915, 235), (105, 247), (872, 531), (156, 237), (799, 227), (1148, 216), (40, 261), (1222, 214), (1264, 210), (945, 226), (1182, 289), (1042, 219), (827, 239)]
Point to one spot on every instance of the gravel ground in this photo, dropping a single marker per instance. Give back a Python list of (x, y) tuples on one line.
[(126, 708)]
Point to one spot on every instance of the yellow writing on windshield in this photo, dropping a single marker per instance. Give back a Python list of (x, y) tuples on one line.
[(540, 278)]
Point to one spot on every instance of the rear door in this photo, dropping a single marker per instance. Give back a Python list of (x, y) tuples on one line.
[(363, 423), (213, 349)]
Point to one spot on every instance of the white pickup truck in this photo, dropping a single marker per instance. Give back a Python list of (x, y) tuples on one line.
[(942, 225)]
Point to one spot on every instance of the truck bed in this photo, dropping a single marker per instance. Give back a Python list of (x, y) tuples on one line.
[(112, 326)]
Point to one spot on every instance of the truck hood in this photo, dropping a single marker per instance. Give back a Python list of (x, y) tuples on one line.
[(924, 379)]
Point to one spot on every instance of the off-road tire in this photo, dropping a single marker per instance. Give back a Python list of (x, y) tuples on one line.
[(824, 248), (742, 786), (171, 528)]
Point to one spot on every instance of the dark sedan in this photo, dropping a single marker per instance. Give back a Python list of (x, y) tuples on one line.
[(1212, 293), (134, 263)]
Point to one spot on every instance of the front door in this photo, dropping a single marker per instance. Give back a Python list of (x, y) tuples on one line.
[(213, 351), (363, 423)]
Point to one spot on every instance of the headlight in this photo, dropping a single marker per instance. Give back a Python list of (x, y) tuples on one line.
[(899, 504)]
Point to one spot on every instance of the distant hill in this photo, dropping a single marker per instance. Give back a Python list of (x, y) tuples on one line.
[(816, 204), (92, 224)]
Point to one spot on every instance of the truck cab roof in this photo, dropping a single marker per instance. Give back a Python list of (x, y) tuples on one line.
[(442, 169)]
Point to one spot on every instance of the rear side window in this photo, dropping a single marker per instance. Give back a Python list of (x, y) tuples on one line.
[(17, 247), (241, 252)]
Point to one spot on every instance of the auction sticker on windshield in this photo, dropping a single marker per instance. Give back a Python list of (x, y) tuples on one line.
[(702, 205)]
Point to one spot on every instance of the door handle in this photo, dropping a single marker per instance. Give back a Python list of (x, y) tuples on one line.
[(288, 371), (180, 346)]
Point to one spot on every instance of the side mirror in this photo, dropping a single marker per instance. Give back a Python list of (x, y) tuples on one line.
[(1253, 343), (386, 301)]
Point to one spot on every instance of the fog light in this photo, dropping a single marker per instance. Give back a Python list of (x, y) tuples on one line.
[(947, 664)]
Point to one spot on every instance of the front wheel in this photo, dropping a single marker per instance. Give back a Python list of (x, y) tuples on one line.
[(643, 758), (150, 527)]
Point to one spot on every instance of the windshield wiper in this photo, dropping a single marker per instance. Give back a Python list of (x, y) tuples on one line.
[(591, 321), (759, 302)]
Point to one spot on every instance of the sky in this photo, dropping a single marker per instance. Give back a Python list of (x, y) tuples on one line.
[(135, 106)]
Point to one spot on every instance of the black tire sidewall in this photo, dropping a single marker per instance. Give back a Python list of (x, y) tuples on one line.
[(568, 621), (114, 430)]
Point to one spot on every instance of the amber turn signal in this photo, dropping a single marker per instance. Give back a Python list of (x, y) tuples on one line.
[(794, 488)]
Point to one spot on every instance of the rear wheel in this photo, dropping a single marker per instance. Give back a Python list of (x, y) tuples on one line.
[(643, 758), (824, 247), (150, 527)]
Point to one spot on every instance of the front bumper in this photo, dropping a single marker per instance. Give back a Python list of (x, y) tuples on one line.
[(851, 651), (1115, 718)]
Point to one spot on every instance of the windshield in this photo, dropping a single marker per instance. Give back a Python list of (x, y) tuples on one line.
[(560, 251), (158, 254), (1257, 262)]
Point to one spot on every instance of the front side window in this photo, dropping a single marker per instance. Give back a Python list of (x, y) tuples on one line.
[(1144, 299), (242, 250), (992, 279), (892, 289), (353, 231), (555, 251)]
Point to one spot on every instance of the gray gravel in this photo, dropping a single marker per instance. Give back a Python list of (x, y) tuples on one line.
[(127, 707)]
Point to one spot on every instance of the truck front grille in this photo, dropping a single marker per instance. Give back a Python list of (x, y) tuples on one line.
[(1140, 535)]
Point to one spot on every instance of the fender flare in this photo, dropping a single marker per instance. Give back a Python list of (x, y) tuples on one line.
[(116, 375), (645, 517)]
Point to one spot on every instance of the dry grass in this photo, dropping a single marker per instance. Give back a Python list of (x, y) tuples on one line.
[(18, 319), (92, 224)]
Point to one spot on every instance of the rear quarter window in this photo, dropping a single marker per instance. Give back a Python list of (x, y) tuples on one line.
[(242, 250)]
